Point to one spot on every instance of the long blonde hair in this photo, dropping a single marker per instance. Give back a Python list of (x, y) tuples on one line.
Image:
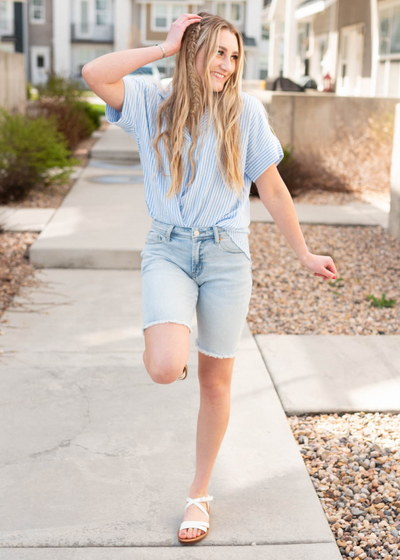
[(190, 97)]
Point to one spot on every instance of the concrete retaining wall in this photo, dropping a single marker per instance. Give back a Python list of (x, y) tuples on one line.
[(394, 216), (302, 120), (13, 95)]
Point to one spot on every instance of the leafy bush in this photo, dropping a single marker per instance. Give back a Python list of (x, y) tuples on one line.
[(62, 99), (72, 120), (94, 112), (60, 89), (32, 151)]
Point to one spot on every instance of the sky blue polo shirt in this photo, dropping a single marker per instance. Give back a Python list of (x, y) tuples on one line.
[(207, 201)]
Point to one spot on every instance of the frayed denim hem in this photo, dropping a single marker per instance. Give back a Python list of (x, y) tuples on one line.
[(160, 322), (211, 354)]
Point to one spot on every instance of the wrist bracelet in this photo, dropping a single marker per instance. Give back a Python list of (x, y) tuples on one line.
[(162, 48)]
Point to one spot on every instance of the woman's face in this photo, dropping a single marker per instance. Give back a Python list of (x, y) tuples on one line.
[(224, 62)]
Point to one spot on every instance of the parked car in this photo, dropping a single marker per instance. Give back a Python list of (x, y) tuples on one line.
[(149, 71), (165, 82)]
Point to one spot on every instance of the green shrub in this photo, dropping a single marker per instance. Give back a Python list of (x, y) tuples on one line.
[(62, 98), (94, 112), (60, 89), (32, 152), (71, 118)]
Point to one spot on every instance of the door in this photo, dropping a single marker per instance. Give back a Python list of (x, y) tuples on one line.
[(350, 61), (40, 64)]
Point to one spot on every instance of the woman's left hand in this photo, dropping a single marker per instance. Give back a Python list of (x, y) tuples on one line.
[(321, 265)]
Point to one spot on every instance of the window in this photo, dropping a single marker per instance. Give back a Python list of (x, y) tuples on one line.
[(6, 18), (163, 15), (389, 31), (37, 11), (177, 11), (232, 11), (221, 9), (236, 12), (265, 33), (84, 17), (101, 12), (40, 61)]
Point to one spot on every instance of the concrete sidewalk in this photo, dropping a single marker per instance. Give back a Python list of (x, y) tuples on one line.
[(94, 454)]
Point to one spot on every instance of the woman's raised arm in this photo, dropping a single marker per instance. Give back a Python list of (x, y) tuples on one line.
[(104, 74)]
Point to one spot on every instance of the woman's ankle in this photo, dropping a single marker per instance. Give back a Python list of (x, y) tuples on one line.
[(196, 492)]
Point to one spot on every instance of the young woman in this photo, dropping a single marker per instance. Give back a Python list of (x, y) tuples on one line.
[(214, 140)]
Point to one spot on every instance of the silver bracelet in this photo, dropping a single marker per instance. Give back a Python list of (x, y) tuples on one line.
[(162, 48)]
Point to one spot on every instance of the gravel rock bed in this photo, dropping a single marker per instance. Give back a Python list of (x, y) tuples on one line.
[(15, 270), (288, 299), (354, 464)]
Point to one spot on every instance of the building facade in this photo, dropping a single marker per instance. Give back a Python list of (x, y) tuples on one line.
[(357, 43), (64, 35)]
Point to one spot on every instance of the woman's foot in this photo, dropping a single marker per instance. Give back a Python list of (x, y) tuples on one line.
[(193, 513)]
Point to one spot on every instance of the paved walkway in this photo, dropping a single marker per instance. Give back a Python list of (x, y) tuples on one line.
[(98, 458), (94, 454)]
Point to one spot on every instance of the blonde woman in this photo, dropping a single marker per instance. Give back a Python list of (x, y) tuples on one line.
[(202, 141)]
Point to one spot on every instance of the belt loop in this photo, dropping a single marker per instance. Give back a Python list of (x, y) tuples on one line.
[(168, 231), (216, 234)]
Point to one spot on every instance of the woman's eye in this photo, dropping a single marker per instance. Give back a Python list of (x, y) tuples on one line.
[(235, 57)]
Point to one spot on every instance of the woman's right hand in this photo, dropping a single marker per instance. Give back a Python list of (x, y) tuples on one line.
[(172, 43)]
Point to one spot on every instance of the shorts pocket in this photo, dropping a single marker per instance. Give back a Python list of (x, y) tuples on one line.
[(228, 245), (154, 237)]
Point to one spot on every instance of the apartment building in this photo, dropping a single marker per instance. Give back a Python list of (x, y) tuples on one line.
[(63, 35), (356, 42)]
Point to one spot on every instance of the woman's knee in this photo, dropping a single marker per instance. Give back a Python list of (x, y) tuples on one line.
[(161, 369), (167, 351)]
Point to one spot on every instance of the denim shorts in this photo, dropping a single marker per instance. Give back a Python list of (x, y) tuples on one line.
[(188, 268)]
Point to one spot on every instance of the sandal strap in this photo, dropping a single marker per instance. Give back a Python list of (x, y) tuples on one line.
[(196, 501), (203, 525)]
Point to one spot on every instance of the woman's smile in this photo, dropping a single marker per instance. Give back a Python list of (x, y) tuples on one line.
[(218, 75)]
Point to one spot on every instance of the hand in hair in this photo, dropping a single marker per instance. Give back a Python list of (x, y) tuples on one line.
[(173, 41)]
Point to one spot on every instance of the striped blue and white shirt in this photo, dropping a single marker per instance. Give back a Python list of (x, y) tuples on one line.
[(207, 202)]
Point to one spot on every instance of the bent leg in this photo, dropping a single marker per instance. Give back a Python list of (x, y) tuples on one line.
[(169, 298), (167, 347)]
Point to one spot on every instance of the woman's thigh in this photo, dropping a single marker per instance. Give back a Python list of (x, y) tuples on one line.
[(169, 298), (223, 302)]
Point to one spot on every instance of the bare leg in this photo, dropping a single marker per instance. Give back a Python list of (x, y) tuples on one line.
[(215, 376), (167, 347)]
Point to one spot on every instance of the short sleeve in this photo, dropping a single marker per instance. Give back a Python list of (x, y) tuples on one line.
[(140, 97), (263, 148)]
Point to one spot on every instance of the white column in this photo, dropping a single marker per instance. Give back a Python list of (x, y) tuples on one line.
[(394, 216), (62, 37), (273, 56), (374, 45), (289, 59), (333, 41), (122, 25)]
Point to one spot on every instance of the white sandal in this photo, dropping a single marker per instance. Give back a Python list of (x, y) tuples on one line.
[(203, 525)]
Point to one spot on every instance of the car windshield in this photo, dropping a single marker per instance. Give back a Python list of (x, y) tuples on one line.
[(143, 70)]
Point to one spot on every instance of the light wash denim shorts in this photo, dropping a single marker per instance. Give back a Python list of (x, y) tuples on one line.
[(188, 268)]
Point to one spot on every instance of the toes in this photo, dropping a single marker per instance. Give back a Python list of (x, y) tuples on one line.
[(183, 534)]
